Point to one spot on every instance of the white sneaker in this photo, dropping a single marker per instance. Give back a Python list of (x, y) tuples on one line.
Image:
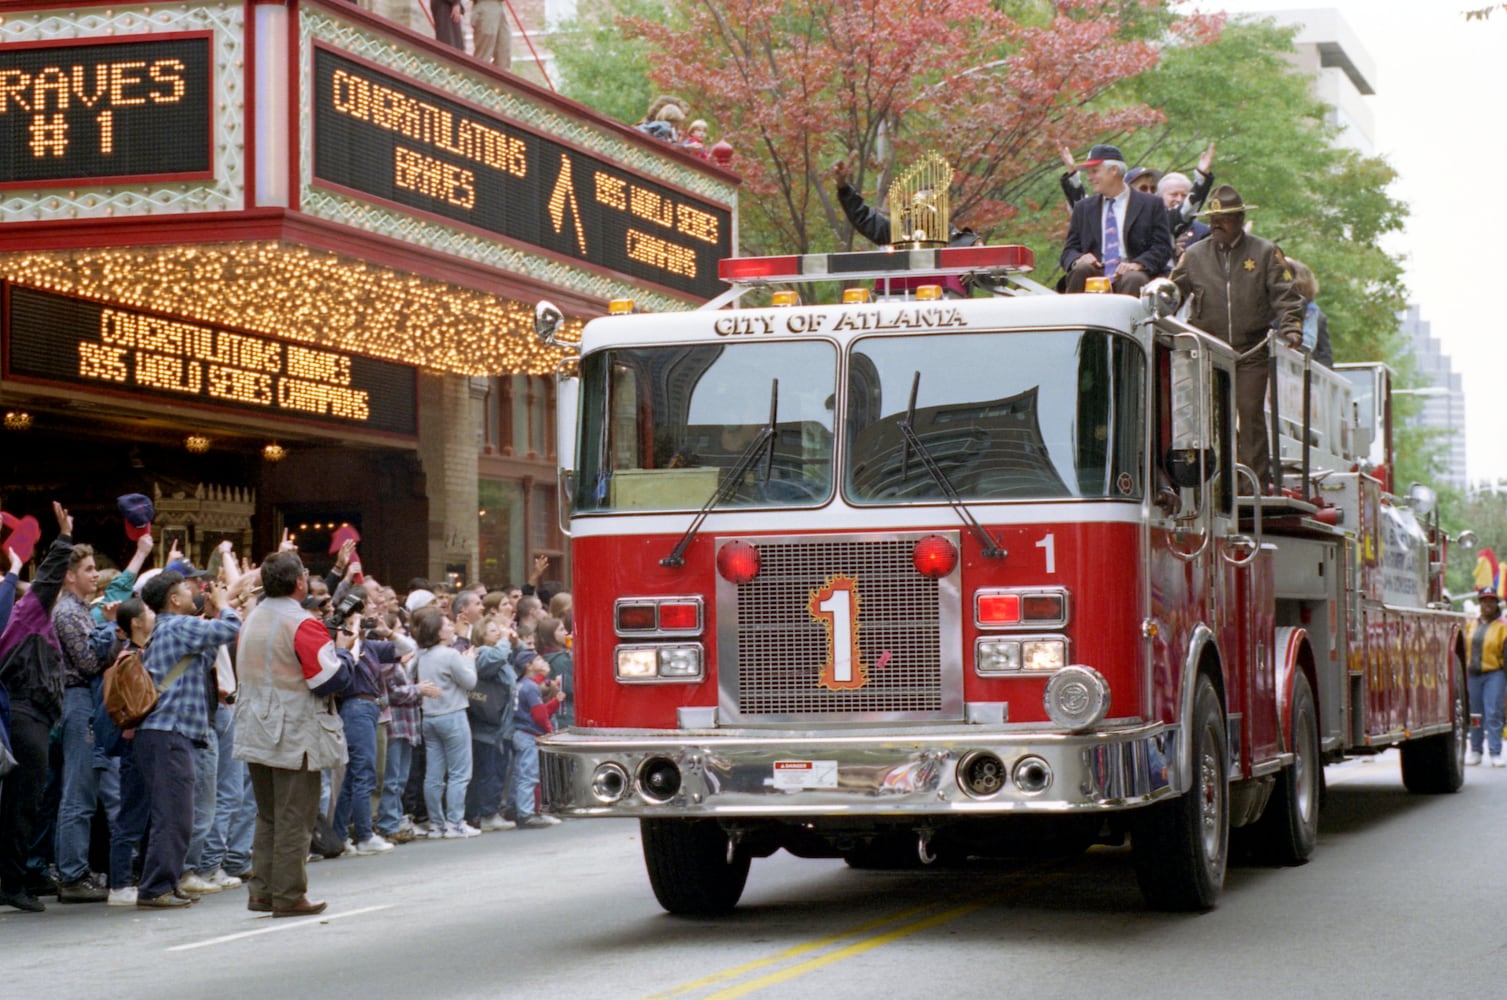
[(461, 830), (224, 880), (407, 825), (435, 832), (1497, 761), (197, 884), (495, 822), (122, 897), (375, 844), (1473, 757)]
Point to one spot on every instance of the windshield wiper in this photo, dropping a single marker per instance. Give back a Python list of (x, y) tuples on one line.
[(910, 439), (734, 479)]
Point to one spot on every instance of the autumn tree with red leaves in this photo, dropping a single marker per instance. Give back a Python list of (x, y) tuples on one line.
[(798, 84)]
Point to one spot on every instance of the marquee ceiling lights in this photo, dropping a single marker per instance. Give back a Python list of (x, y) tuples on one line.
[(302, 294)]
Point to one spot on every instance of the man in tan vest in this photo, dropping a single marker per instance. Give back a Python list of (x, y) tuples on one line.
[(287, 730)]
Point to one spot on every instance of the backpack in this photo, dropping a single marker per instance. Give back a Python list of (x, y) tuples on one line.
[(130, 694), (488, 703)]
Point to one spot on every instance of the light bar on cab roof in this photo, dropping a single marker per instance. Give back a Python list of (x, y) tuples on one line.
[(876, 264)]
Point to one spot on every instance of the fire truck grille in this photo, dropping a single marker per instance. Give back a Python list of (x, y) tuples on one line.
[(781, 648)]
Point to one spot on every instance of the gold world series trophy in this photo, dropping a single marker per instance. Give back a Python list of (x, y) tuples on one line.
[(919, 202)]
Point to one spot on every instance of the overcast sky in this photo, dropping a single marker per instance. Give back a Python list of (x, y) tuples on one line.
[(1440, 123)]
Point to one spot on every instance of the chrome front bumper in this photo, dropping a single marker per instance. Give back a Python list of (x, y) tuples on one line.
[(754, 773)]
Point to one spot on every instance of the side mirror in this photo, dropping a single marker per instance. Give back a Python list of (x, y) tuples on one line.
[(1422, 499), (1160, 298), (547, 320), (1190, 467), (1467, 540)]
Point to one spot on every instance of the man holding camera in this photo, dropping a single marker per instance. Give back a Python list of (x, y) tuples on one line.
[(286, 730)]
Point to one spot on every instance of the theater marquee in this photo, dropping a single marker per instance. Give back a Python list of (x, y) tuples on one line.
[(394, 140), (83, 344), (114, 109)]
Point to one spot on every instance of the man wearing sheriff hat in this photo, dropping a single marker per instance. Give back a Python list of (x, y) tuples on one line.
[(1240, 287)]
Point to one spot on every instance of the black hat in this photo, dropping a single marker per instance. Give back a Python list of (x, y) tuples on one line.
[(1099, 154), (1486, 592)]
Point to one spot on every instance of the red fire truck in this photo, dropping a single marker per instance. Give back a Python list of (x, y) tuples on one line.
[(894, 579)]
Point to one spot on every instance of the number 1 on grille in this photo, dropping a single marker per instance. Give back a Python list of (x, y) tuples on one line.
[(834, 606)]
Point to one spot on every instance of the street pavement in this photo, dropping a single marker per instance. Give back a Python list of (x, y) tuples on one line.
[(1404, 898)]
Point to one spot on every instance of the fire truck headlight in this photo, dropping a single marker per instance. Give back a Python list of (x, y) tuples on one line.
[(1077, 697), (997, 656), (680, 662), (1043, 654), (637, 663)]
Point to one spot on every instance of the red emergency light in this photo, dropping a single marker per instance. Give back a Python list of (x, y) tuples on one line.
[(680, 616), (934, 557), (738, 562)]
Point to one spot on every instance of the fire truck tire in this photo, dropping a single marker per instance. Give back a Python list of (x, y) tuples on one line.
[(689, 868), (1289, 827), (1435, 765), (1181, 847)]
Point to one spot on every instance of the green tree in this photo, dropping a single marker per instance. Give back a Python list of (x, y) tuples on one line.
[(1485, 513), (602, 67)]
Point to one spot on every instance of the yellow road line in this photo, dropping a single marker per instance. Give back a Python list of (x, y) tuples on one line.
[(858, 948), (793, 952), (1035, 877)]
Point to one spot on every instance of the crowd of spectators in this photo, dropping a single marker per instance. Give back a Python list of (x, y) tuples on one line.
[(440, 694)]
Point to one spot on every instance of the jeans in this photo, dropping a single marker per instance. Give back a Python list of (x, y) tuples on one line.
[(447, 749), (484, 797), (167, 766), (229, 843), (80, 785), (390, 813), (206, 790), (525, 773), (1486, 699), (355, 802), (130, 822)]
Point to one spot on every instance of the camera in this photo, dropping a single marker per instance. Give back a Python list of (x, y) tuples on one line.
[(353, 603)]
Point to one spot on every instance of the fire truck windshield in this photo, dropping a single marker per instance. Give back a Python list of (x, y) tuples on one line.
[(1006, 416), (663, 427)]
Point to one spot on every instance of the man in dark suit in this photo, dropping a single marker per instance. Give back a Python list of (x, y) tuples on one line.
[(1117, 233)]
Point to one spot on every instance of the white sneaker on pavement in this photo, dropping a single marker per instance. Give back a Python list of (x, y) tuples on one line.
[(197, 884), (224, 880), (375, 844), (461, 830), (125, 896), (1473, 757), (1497, 761), (435, 832), (495, 822)]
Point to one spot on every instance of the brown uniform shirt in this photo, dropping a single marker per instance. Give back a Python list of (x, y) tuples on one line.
[(1240, 293)]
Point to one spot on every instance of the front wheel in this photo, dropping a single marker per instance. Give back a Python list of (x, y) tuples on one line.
[(1181, 847), (691, 866), (1436, 764)]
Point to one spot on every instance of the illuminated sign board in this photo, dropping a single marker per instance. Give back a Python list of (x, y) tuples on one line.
[(91, 345), (128, 110), (389, 138)]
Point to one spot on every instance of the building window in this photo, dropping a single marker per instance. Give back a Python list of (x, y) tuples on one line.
[(500, 532)]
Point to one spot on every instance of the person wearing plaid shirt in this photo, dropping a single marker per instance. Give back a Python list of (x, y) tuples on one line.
[(405, 721), (166, 739)]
